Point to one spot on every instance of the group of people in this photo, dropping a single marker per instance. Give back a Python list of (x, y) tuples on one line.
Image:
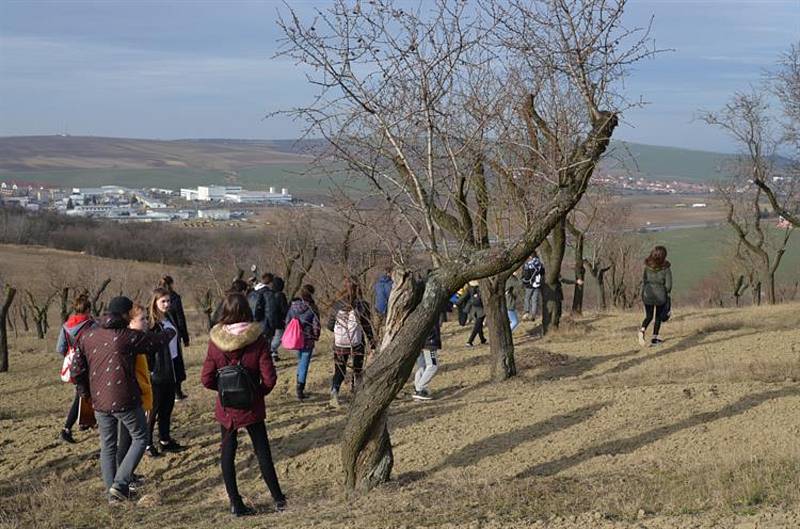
[(128, 363)]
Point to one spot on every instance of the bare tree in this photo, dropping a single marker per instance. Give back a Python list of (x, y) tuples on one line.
[(9, 293), (39, 305), (421, 104), (781, 190)]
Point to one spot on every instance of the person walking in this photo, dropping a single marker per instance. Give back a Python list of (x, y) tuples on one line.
[(512, 289), (106, 374), (532, 278), (305, 310), (280, 308), (474, 307), (162, 374), (656, 289), (238, 285), (79, 321), (350, 323), (237, 340), (262, 304), (178, 319), (142, 372), (428, 362), (383, 289)]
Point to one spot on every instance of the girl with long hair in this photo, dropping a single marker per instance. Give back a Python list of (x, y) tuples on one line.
[(350, 322), (237, 339), (162, 374), (656, 289), (305, 310), (178, 318)]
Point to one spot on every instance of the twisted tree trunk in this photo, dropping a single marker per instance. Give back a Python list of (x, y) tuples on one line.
[(366, 447), (501, 343), (552, 291), (8, 298)]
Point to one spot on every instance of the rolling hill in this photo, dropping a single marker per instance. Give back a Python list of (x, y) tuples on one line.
[(88, 160)]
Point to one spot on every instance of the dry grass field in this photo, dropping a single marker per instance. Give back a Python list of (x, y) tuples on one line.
[(595, 432)]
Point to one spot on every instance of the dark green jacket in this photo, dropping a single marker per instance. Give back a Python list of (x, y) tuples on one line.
[(656, 285)]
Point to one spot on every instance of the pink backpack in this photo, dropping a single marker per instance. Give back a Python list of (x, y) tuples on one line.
[(293, 336)]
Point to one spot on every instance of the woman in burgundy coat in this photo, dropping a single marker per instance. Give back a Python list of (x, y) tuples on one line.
[(237, 339)]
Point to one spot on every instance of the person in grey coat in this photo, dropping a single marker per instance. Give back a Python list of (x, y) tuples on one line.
[(656, 289)]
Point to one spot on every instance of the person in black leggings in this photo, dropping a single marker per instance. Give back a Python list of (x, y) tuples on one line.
[(656, 290), (474, 306), (236, 338)]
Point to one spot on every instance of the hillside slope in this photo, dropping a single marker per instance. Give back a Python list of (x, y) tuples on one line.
[(595, 431), (36, 153), (33, 157)]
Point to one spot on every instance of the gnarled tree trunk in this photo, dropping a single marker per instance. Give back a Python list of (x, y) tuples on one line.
[(552, 291), (501, 343), (366, 447), (65, 309), (8, 298)]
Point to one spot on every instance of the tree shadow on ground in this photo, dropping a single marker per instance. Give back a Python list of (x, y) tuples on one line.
[(503, 442), (660, 351), (631, 444), (576, 367)]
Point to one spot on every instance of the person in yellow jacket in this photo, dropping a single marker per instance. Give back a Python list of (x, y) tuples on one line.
[(138, 322)]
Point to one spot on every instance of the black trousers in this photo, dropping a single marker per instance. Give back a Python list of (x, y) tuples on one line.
[(72, 415), (258, 436), (477, 330), (163, 403), (340, 357), (462, 317), (651, 311)]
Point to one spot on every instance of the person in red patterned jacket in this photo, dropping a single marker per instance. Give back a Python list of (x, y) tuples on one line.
[(237, 339), (109, 349)]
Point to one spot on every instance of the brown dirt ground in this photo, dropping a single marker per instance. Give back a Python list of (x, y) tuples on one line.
[(595, 432)]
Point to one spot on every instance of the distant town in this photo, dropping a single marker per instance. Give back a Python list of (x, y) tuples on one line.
[(123, 204)]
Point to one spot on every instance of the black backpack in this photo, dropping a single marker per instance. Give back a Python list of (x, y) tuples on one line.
[(235, 386)]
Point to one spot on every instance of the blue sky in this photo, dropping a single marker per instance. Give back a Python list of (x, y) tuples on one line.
[(186, 69)]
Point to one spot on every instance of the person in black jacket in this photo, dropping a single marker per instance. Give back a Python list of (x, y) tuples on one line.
[(262, 304), (428, 362), (350, 321), (178, 318), (162, 374), (474, 307), (280, 308)]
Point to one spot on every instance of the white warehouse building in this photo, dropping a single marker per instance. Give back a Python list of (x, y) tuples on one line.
[(236, 194)]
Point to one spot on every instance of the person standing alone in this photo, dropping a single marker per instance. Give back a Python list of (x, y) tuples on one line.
[(656, 289)]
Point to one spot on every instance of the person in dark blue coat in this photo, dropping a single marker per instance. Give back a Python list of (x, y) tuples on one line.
[(383, 288)]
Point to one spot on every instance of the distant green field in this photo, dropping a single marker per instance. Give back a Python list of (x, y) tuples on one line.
[(667, 163), (694, 254)]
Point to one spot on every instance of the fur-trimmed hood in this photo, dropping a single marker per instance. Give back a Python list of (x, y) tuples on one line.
[(227, 341)]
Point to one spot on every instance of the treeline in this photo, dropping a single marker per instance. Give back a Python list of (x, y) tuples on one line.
[(152, 242)]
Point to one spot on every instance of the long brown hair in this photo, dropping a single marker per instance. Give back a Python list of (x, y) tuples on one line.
[(81, 304), (154, 315), (657, 258), (351, 292), (235, 309)]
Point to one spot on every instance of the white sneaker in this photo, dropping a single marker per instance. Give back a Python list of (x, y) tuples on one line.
[(422, 395), (334, 402), (641, 338)]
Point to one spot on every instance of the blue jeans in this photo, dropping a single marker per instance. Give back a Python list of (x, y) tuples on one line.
[(119, 473), (303, 361), (513, 319)]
